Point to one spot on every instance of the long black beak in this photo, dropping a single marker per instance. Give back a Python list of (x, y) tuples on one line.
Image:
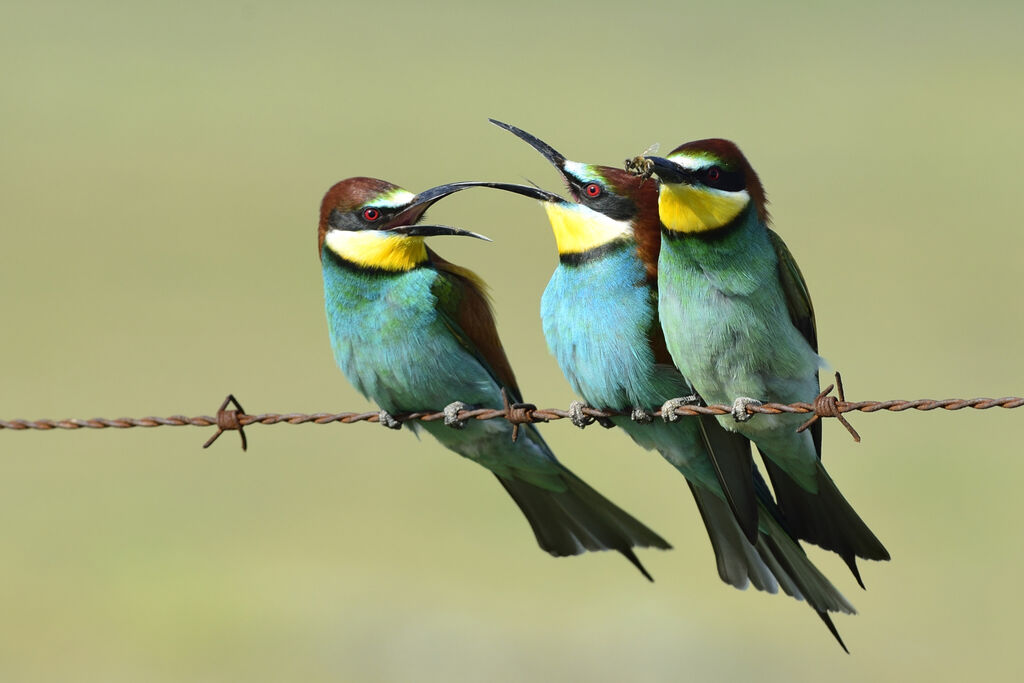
[(420, 203), (549, 152), (435, 230), (427, 198), (669, 171), (424, 200), (525, 190)]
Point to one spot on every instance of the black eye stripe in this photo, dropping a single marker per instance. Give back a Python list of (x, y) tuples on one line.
[(611, 205), (383, 214), (606, 202), (354, 220), (729, 181)]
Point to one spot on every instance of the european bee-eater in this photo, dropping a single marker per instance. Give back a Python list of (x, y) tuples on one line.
[(600, 319), (413, 331), (739, 323)]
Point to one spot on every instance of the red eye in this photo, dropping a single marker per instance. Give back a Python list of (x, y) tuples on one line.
[(371, 214), (593, 190), (714, 174)]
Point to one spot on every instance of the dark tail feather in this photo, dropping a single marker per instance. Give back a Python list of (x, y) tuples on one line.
[(803, 580), (832, 627), (734, 467), (579, 519), (825, 518), (631, 556), (739, 563), (799, 577), (775, 561)]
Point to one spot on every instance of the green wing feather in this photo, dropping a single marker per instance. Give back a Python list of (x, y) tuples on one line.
[(463, 301), (794, 287), (826, 519), (801, 311)]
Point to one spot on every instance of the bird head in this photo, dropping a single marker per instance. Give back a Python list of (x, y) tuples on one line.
[(705, 186), (374, 224), (608, 204)]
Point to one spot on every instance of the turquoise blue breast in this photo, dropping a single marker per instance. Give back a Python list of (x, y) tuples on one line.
[(395, 346), (597, 318), (391, 342)]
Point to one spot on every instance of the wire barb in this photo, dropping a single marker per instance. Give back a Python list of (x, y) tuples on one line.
[(829, 406), (228, 420), (519, 413)]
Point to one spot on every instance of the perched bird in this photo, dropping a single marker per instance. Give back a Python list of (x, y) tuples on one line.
[(600, 319), (739, 323), (413, 331)]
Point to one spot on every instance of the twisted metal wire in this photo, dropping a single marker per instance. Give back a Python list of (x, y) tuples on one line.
[(516, 413)]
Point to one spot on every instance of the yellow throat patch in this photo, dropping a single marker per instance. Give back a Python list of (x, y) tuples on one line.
[(377, 249), (578, 229), (684, 208)]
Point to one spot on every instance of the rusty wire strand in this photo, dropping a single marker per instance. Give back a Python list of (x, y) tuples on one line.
[(516, 413)]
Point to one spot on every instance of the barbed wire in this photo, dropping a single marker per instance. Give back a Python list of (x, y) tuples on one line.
[(457, 414)]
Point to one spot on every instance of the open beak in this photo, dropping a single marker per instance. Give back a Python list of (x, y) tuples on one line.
[(420, 203), (557, 160), (669, 171), (435, 230), (549, 152), (405, 221)]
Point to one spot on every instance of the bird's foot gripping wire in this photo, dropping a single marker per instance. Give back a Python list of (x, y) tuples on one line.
[(577, 416), (669, 407), (739, 408), (388, 420), (451, 415), (641, 416)]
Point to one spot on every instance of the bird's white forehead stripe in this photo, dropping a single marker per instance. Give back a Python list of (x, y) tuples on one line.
[(575, 167), (581, 171), (394, 199), (692, 163)]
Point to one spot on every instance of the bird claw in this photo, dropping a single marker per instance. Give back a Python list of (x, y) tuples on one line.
[(388, 420), (668, 409), (576, 415), (739, 408), (451, 415), (641, 416)]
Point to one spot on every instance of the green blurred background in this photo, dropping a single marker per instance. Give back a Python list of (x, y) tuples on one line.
[(162, 166)]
